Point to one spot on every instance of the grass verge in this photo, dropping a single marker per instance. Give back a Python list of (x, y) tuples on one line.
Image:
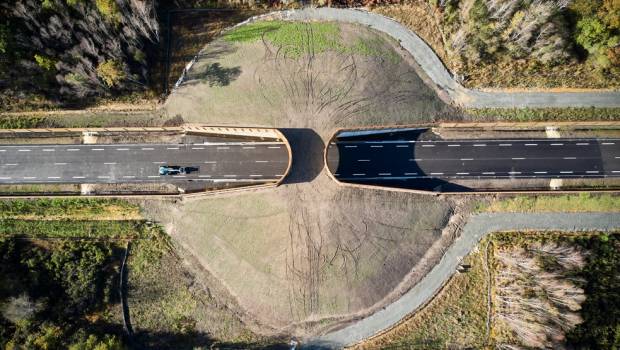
[(543, 114), (73, 229), (73, 208), (584, 202)]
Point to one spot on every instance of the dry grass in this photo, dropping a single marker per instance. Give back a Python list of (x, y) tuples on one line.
[(553, 203)]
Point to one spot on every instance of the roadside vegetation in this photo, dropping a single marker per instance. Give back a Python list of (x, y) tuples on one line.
[(548, 290), (522, 44), (543, 114), (584, 202)]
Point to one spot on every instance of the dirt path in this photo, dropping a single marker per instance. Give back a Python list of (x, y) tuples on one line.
[(476, 228), (437, 72)]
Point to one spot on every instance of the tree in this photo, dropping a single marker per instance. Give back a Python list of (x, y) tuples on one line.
[(111, 72)]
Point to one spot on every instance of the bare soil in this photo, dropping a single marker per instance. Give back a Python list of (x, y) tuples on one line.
[(310, 254)]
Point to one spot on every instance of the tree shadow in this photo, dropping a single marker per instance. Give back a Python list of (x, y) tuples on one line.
[(307, 149), (214, 75), (194, 340)]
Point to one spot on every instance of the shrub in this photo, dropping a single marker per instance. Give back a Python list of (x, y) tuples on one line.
[(110, 10), (44, 62), (111, 72)]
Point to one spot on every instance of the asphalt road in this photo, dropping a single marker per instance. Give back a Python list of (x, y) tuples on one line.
[(136, 163), (377, 161)]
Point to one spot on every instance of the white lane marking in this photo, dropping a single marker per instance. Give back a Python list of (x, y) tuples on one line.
[(48, 150), (566, 172), (256, 175), (426, 146), (147, 148), (467, 158), (592, 172), (109, 163), (129, 176), (97, 149), (79, 177), (385, 174), (60, 163), (277, 147), (213, 162), (411, 173), (350, 146), (204, 175), (9, 164), (489, 173), (72, 149), (178, 175), (103, 177), (2, 150), (359, 174), (416, 160), (540, 172), (514, 172), (436, 173), (249, 147), (614, 157), (380, 146), (608, 143), (230, 175), (398, 146), (53, 177), (479, 144), (462, 173), (152, 176), (5, 178), (199, 148), (531, 144), (223, 148), (505, 144), (582, 144), (615, 171), (518, 158), (557, 144), (172, 148), (569, 158), (363, 160), (159, 162), (454, 145), (261, 161), (122, 149), (30, 177), (23, 150)]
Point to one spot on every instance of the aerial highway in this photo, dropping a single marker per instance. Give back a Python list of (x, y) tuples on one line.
[(376, 160), (136, 163)]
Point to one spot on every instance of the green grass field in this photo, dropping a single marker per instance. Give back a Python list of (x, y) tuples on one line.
[(584, 202)]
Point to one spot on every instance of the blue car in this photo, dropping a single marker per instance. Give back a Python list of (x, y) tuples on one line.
[(172, 170)]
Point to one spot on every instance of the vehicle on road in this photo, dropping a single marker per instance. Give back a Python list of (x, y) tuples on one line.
[(176, 170)]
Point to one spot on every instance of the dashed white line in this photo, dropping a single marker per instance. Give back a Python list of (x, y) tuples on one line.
[(48, 150), (23, 150), (428, 145), (230, 175), (5, 178), (540, 172), (60, 163), (211, 162), (79, 177), (608, 143), (436, 173), (129, 176), (582, 144), (122, 149), (505, 144), (29, 177), (531, 144), (557, 144), (103, 177), (256, 175), (249, 147), (402, 146), (10, 164), (615, 171), (178, 175), (223, 148), (359, 174), (172, 148), (489, 173), (363, 160), (569, 158), (454, 145), (159, 162), (72, 149), (467, 158), (385, 174), (566, 172), (462, 173), (152, 176), (53, 177), (479, 144), (380, 146), (2, 150), (147, 149), (350, 146), (518, 158), (261, 161), (276, 147), (204, 175), (97, 149), (592, 172), (200, 147), (514, 172), (411, 173), (112, 163)]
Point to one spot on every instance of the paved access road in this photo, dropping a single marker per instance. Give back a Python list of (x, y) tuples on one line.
[(388, 160), (134, 163)]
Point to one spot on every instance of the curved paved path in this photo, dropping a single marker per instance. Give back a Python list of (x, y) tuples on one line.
[(476, 228), (434, 68)]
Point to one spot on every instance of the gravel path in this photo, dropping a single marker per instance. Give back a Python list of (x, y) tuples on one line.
[(477, 227), (437, 72)]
